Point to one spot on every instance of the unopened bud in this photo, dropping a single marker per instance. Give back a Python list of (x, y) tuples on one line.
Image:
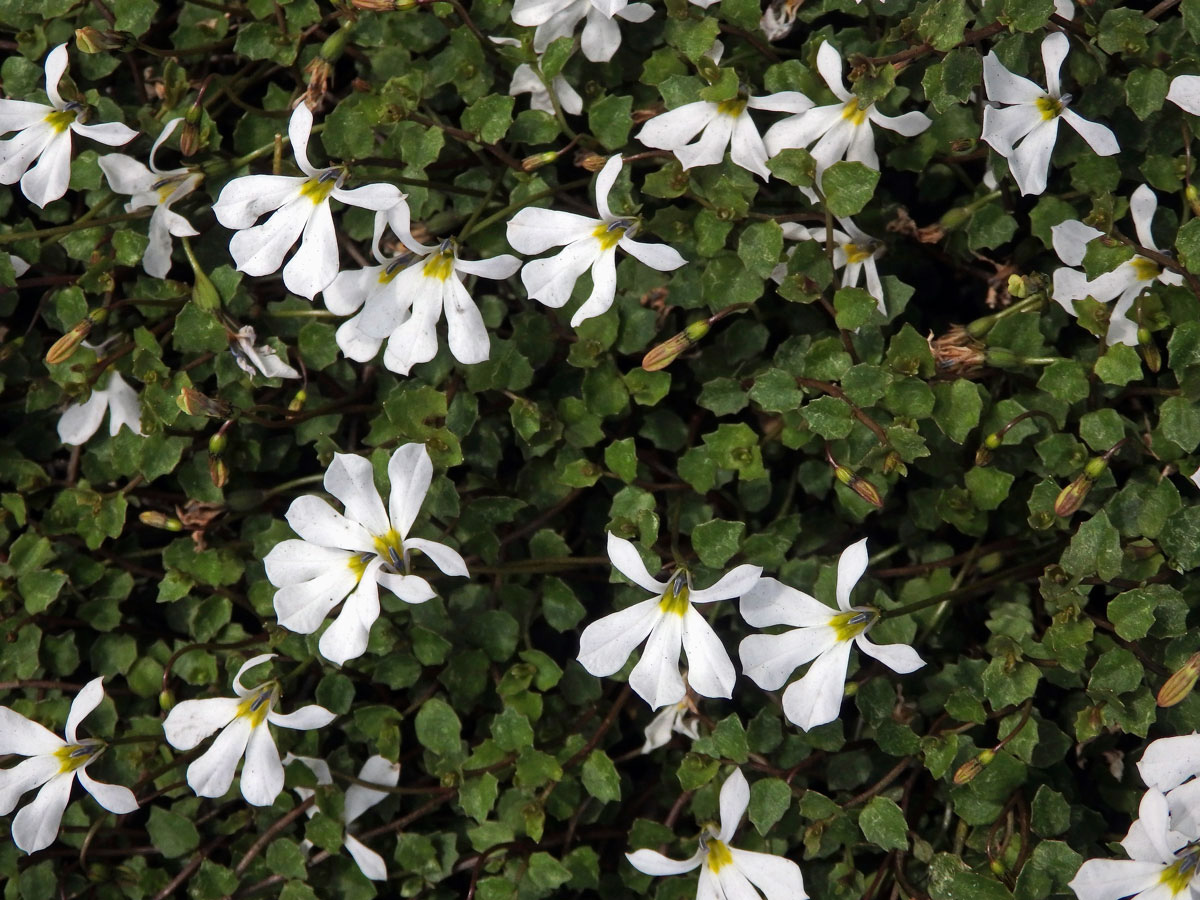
[(335, 44), (973, 766), (1149, 350), (383, 5), (983, 456), (1071, 497), (955, 218), (668, 351), (1176, 688), (189, 139), (156, 519), (1017, 287), (1096, 466), (204, 292), (194, 403), (858, 484), (92, 40), (298, 401), (997, 866), (537, 160), (217, 443), (218, 471), (65, 347), (593, 162), (892, 462), (1193, 198), (166, 699)]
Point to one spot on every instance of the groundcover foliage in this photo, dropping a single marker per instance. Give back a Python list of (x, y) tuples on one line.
[(1003, 406)]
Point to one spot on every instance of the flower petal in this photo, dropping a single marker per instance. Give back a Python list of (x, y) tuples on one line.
[(674, 129), (909, 124), (770, 659), (1112, 879), (777, 877), (1099, 137), (783, 101), (244, 199), (377, 197), (306, 718), (114, 134), (1030, 161), (240, 689), (1169, 762), (897, 657), (657, 256), (466, 334), (536, 230), (604, 288), (314, 266), (1184, 93), (369, 862), (48, 179), (80, 421), (18, 153), (851, 566), (601, 36), (1143, 203), (710, 670), (262, 774), (349, 290), (802, 130), (113, 797), (605, 644), (260, 249), (410, 471), (318, 523), (85, 701), (124, 408), (299, 132), (829, 64), (497, 268), (18, 115), (551, 281), (735, 797), (746, 147), (656, 677), (1002, 86), (734, 584), (302, 607), (351, 479), (125, 174), (709, 150), (817, 697), (346, 638), (409, 588), (36, 825), (415, 339), (191, 721), (651, 862), (1070, 239), (1054, 50), (626, 559), (25, 776), (24, 736), (359, 799), (604, 184), (212, 774), (447, 559), (294, 562)]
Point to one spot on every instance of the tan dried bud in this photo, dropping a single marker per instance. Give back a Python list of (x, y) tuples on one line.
[(593, 162), (958, 353), (189, 139), (375, 5), (218, 471), (194, 403), (1176, 688), (92, 40), (65, 347), (1149, 350), (1072, 496), (537, 160), (319, 72), (156, 519), (668, 351), (858, 484), (968, 771)]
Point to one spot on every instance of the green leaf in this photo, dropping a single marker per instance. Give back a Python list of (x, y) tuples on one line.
[(610, 119), (855, 308), (489, 117), (438, 727), (600, 777), (883, 824), (1146, 90), (760, 247), (770, 798), (1095, 549), (1119, 365), (172, 834), (942, 22), (1180, 538), (716, 540), (957, 408), (795, 166), (848, 187)]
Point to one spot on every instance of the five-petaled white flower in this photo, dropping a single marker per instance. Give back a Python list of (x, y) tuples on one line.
[(557, 18), (355, 553), (719, 125), (1124, 283), (358, 800), (854, 252), (840, 130), (670, 621), (45, 135), (728, 873), (407, 315), (158, 188), (261, 358), (526, 80), (79, 421), (300, 204), (678, 718), (589, 243), (53, 764), (819, 635), (1164, 862), (1031, 115), (243, 723)]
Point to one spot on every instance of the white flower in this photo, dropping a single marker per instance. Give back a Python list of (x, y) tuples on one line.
[(1031, 116), (841, 130), (719, 125), (820, 635), (242, 721), (678, 718), (557, 18), (527, 81), (262, 358), (1195, 477), (1124, 283), (1064, 8), (1162, 864), (158, 188), (301, 205), (407, 314), (1184, 92), (44, 134), (589, 243), (358, 800), (670, 620), (53, 764), (729, 873), (1169, 762), (19, 266), (79, 421), (854, 252), (354, 554)]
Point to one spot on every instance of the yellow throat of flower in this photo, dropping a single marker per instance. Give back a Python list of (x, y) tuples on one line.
[(732, 107), (1146, 270), (675, 597), (718, 856), (76, 756), (608, 233), (440, 263), (1179, 874), (166, 185), (60, 120), (854, 112), (855, 253), (257, 705), (1049, 107), (849, 625), (318, 189)]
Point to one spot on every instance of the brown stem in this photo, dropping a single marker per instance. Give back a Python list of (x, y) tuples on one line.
[(269, 835)]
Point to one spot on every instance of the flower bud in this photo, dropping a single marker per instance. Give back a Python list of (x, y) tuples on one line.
[(997, 866), (66, 345), (1017, 288), (973, 766), (166, 699), (204, 292), (1071, 497), (194, 403), (537, 160), (593, 162), (668, 351), (217, 443), (319, 73), (218, 471), (335, 44), (955, 218), (92, 40), (1176, 688), (298, 401), (1095, 467), (1193, 199), (156, 519), (858, 484), (1149, 350), (189, 139)]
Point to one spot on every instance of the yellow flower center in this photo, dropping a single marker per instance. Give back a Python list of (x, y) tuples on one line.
[(718, 856), (732, 107), (608, 233), (391, 548), (1145, 269), (60, 120), (675, 597), (76, 756), (440, 264), (166, 185), (1178, 875), (855, 253), (256, 706), (318, 189), (853, 112), (849, 625), (1049, 107)]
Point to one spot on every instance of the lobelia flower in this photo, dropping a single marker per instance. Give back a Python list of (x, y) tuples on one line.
[(299, 207), (588, 243), (262, 358), (728, 873), (719, 125), (1025, 129), (349, 557), (1163, 864), (80, 421), (158, 188), (53, 764), (422, 288), (678, 718), (358, 800), (840, 130), (526, 80), (557, 18), (854, 252), (669, 621), (44, 134), (1125, 283), (819, 635), (243, 725)]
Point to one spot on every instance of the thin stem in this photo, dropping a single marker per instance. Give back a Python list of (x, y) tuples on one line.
[(78, 225)]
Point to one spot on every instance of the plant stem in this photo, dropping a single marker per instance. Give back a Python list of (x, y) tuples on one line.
[(78, 225)]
